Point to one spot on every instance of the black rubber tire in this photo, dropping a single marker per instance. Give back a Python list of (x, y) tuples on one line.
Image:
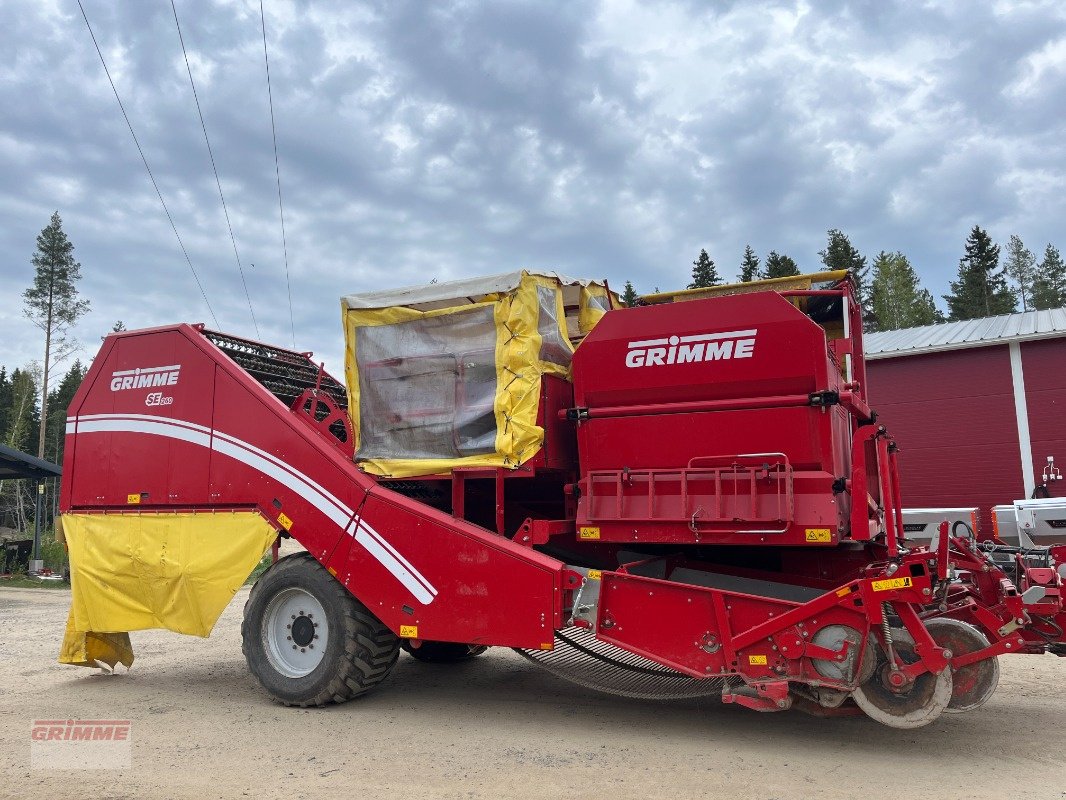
[(360, 652), (443, 652)]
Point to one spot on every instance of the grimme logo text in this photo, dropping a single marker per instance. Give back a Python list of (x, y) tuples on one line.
[(144, 377), (80, 730), (691, 349)]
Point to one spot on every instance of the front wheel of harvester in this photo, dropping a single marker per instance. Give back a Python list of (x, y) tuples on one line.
[(443, 652), (308, 641), (903, 703)]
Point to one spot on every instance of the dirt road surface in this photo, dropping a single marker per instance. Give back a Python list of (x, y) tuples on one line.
[(496, 727)]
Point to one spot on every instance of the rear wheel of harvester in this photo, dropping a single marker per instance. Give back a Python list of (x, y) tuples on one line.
[(442, 652), (308, 641), (973, 684), (889, 699)]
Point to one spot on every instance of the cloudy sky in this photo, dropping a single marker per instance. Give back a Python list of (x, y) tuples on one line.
[(438, 140)]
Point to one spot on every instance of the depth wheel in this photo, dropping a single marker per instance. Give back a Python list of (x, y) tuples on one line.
[(443, 652), (973, 684), (912, 706), (308, 641)]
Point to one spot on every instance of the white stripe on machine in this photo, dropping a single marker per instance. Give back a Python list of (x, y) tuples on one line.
[(319, 497)]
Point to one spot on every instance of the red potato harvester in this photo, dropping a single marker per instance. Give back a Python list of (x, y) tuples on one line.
[(695, 499)]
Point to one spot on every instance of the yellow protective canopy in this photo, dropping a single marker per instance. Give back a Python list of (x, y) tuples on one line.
[(134, 571), (449, 375)]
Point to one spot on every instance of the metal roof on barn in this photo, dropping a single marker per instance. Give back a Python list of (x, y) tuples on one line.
[(1025, 326)]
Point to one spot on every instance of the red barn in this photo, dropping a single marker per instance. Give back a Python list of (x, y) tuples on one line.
[(977, 407)]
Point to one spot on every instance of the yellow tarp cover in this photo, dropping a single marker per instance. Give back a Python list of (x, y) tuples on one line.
[(519, 367), (133, 571)]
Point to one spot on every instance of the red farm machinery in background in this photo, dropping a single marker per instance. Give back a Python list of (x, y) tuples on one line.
[(710, 506)]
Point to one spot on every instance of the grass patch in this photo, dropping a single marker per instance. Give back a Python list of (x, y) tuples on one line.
[(260, 568), (24, 582)]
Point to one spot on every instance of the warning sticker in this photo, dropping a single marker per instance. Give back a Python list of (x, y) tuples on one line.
[(409, 631), (891, 583), (595, 574), (818, 535), (588, 532), (284, 521), (133, 499), (757, 661)]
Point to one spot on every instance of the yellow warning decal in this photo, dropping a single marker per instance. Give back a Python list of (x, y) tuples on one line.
[(818, 535), (284, 522), (595, 574), (844, 592), (409, 631), (757, 661), (133, 499), (588, 532), (891, 583)]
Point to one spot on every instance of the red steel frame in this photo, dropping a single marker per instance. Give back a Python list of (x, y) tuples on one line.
[(223, 441)]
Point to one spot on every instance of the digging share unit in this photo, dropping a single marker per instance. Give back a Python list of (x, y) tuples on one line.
[(696, 498)]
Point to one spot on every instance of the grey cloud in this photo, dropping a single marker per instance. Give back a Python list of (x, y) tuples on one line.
[(421, 141)]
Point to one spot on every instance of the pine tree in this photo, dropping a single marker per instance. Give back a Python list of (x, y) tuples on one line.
[(118, 327), (780, 266), (629, 295), (981, 289), (749, 267), (1021, 267), (840, 254), (896, 297), (23, 417), (704, 273), (52, 303), (1049, 282)]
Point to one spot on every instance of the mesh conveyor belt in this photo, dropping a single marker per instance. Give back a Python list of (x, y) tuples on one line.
[(284, 373), (583, 659)]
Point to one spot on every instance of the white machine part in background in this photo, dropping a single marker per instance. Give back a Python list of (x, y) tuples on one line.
[(921, 525), (1030, 523)]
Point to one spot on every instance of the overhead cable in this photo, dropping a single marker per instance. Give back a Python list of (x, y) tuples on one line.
[(277, 171), (155, 185), (218, 182)]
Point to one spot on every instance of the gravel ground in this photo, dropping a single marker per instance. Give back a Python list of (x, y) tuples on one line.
[(496, 727)]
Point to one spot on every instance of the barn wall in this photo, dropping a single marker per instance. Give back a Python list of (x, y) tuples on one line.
[(1044, 368), (952, 414)]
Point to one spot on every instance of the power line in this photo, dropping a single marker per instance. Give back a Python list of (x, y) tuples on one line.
[(155, 185), (277, 170), (218, 182)]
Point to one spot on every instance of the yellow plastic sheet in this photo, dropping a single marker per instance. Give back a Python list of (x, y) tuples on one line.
[(88, 649), (595, 302), (134, 571), (520, 323)]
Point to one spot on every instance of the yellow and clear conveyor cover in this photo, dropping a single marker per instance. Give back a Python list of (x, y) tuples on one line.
[(448, 374)]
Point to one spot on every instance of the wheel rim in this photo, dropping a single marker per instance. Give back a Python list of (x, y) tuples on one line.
[(295, 632), (918, 704)]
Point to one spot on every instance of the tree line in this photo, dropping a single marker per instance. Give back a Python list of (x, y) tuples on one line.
[(890, 289), (21, 428)]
